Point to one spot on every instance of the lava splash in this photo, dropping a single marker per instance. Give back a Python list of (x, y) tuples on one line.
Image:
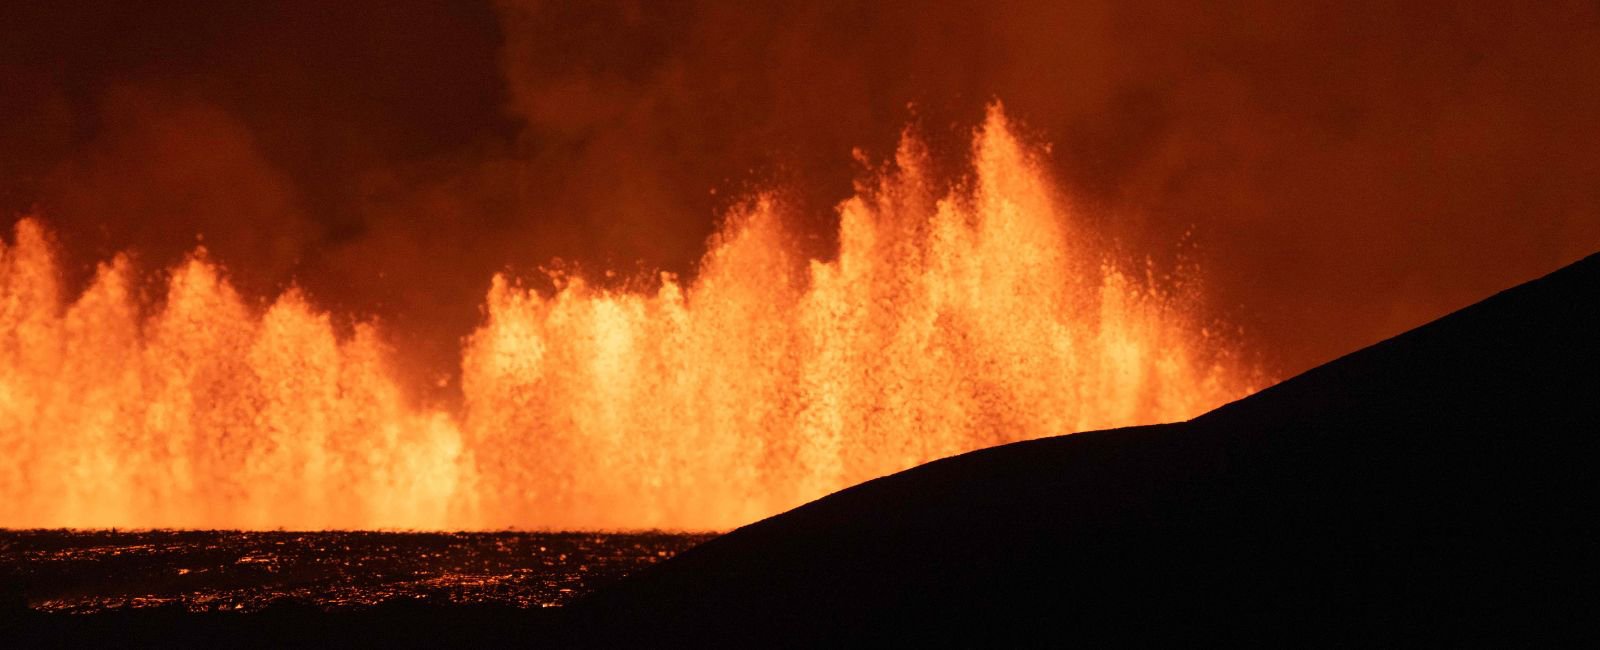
[(951, 319)]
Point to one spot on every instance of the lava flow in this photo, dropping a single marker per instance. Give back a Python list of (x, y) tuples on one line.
[(950, 320)]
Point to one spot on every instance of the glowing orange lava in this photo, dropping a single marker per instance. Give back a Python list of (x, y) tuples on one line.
[(947, 323)]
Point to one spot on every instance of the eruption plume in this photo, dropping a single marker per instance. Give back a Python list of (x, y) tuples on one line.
[(950, 320)]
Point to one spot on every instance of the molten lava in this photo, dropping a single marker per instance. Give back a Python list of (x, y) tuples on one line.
[(948, 322)]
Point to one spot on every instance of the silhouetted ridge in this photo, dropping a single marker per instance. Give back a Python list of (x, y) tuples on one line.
[(1439, 483)]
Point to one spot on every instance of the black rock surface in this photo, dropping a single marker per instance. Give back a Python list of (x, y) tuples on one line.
[(1438, 485)]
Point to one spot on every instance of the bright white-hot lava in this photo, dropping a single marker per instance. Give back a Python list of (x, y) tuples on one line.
[(949, 321)]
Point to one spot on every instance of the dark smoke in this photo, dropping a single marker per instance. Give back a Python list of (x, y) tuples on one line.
[(1348, 170)]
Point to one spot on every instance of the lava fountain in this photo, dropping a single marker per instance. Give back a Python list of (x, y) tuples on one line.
[(950, 320)]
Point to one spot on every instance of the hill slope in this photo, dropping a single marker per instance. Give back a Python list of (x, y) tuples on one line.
[(1439, 483)]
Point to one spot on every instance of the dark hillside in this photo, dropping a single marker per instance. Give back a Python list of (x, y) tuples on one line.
[(1439, 484)]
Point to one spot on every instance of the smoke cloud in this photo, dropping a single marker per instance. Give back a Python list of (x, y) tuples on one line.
[(1340, 171)]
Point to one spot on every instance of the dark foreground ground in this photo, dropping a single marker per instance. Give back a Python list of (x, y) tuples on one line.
[(85, 572), (69, 586), (1439, 487)]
